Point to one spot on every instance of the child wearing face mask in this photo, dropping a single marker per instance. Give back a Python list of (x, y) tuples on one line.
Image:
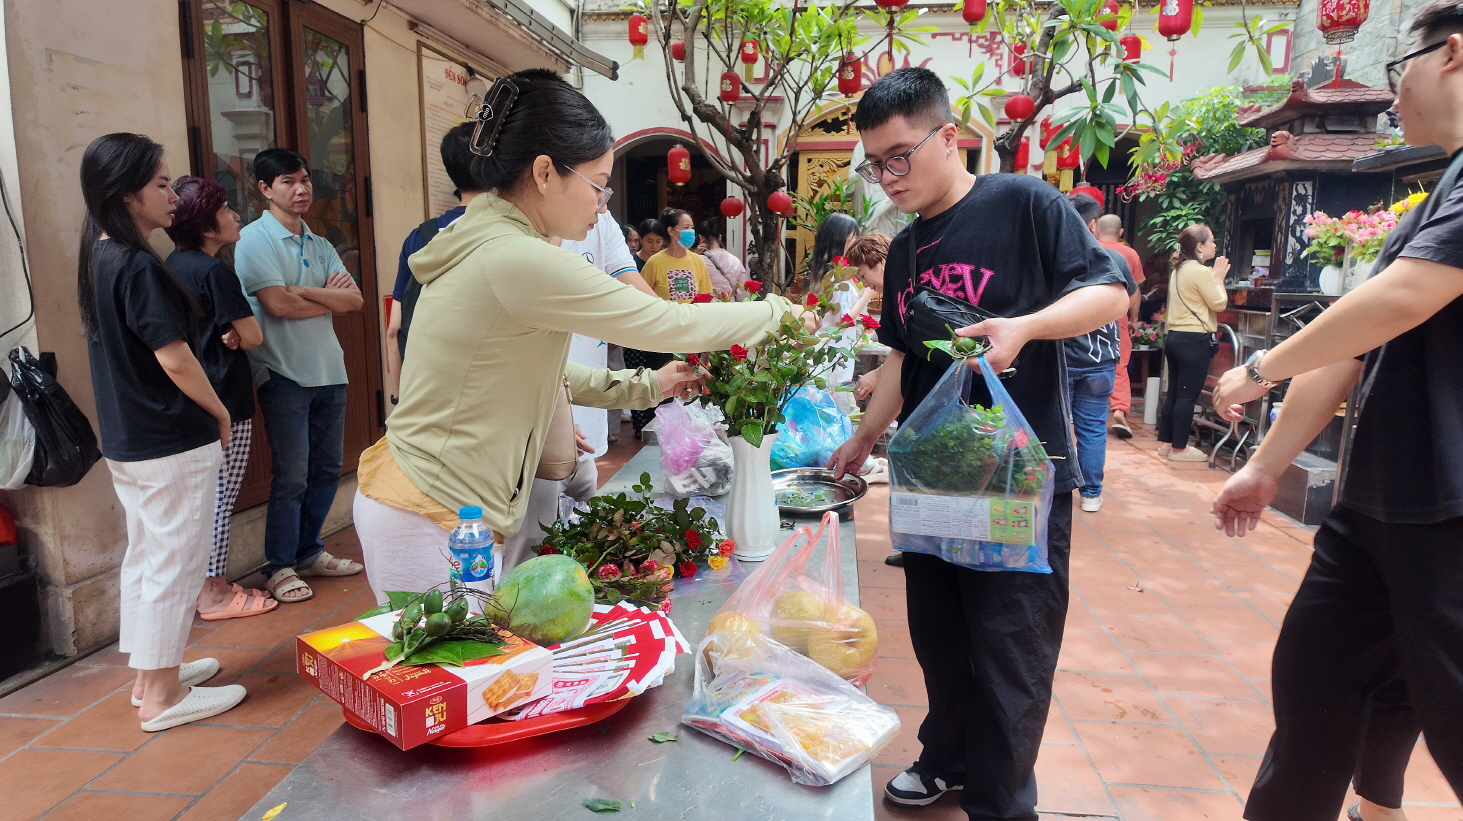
[(677, 274)]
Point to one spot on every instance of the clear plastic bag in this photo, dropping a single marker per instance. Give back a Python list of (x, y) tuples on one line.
[(756, 694), (813, 427), (971, 485), (796, 597), (694, 455), (17, 441)]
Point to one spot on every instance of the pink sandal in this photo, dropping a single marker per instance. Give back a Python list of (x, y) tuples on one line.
[(240, 606)]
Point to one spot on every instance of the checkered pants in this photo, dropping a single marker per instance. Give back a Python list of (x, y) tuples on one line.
[(230, 478)]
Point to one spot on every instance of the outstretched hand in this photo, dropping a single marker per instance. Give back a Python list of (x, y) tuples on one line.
[(1243, 498), (681, 380)]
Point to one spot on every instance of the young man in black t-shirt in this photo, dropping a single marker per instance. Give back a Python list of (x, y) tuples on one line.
[(1381, 605), (987, 642)]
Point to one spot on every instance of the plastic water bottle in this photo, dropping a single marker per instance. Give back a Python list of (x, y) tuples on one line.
[(471, 547)]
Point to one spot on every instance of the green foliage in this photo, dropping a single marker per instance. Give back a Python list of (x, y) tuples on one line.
[(968, 451)]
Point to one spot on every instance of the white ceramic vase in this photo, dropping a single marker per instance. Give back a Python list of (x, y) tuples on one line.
[(751, 507), (1332, 282)]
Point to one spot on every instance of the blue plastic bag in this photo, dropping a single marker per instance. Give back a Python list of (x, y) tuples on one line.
[(971, 485), (813, 427)]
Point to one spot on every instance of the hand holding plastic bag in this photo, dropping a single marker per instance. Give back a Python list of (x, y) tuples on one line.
[(695, 458), (759, 695), (969, 484), (813, 427), (796, 597)]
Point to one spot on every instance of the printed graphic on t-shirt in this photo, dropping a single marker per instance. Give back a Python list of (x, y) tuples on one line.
[(681, 285)]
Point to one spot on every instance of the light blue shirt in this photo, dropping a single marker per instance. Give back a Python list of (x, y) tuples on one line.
[(303, 350)]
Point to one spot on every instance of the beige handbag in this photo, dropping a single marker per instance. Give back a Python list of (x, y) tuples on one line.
[(560, 458)]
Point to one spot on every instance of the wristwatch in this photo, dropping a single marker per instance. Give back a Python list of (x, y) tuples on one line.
[(1252, 367)]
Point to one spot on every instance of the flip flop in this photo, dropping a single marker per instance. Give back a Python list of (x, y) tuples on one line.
[(239, 607), (286, 580), (321, 567), (1121, 430), (200, 703), (191, 673)]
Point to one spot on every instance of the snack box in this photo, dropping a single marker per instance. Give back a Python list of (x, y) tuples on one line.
[(413, 705)]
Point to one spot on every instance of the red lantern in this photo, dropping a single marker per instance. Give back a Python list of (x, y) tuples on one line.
[(1093, 193), (1067, 155), (1108, 17), (731, 87), (1338, 20), (1046, 132), (973, 12), (1020, 106), (678, 164), (1175, 17), (850, 75), (1019, 66), (749, 59), (1023, 155), (1132, 47), (732, 207), (678, 50), (639, 34), (780, 203), (890, 4)]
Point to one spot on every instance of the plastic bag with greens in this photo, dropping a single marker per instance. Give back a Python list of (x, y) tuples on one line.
[(969, 484)]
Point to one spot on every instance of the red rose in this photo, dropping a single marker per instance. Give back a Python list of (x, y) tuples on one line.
[(693, 360), (648, 567), (693, 539), (846, 321), (608, 571), (546, 550), (738, 353), (812, 300), (665, 606), (702, 298), (869, 322), (840, 262), (752, 286), (726, 547), (688, 569)]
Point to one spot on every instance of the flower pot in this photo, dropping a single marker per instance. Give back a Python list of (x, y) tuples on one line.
[(1360, 272), (1331, 281), (751, 507)]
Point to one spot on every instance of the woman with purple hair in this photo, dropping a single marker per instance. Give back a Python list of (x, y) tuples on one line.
[(203, 225)]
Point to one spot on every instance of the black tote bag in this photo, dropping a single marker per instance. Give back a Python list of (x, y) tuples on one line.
[(66, 446)]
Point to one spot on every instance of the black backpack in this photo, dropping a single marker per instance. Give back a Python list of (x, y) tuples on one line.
[(413, 289)]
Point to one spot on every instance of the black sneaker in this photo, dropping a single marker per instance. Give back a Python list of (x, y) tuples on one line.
[(896, 560), (914, 788)]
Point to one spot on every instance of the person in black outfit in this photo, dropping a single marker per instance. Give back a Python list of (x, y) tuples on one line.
[(1011, 244), (203, 225), (1195, 296), (1382, 600)]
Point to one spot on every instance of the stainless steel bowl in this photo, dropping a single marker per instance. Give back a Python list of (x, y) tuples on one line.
[(826, 492)]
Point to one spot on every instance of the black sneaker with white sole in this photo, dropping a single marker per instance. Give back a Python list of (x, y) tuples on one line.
[(915, 788)]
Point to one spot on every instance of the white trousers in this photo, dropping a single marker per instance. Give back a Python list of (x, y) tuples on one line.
[(543, 508), (403, 551), (169, 504)]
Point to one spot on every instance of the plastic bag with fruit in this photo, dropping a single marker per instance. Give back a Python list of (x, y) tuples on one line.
[(970, 484), (796, 597), (761, 696)]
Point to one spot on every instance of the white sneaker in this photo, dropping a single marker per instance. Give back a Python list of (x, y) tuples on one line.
[(1091, 504), (191, 673), (200, 703)]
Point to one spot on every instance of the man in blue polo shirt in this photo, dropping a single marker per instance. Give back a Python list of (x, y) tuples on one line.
[(295, 281)]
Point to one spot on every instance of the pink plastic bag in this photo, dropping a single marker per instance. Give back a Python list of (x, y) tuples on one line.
[(796, 598), (694, 457)]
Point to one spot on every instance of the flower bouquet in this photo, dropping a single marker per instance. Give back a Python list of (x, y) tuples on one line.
[(1358, 232), (1147, 334), (633, 548)]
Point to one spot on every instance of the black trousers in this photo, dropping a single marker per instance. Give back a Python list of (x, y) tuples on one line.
[(1188, 354), (1386, 746), (987, 643), (1380, 603)]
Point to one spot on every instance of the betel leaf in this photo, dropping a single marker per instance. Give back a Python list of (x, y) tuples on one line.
[(399, 600), (453, 651), (661, 738), (602, 805), (378, 610)]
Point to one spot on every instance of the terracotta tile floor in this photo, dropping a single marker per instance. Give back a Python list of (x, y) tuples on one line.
[(1160, 710)]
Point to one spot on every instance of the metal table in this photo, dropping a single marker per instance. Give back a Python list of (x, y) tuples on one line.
[(359, 775)]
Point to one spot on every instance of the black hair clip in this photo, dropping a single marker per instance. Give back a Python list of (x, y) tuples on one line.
[(490, 114)]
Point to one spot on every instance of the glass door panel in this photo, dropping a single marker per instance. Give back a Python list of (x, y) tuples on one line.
[(240, 75)]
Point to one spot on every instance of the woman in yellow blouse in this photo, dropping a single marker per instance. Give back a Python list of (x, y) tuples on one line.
[(676, 273), (1195, 296)]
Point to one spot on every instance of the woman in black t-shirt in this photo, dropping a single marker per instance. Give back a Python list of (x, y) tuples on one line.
[(161, 423), (203, 224)]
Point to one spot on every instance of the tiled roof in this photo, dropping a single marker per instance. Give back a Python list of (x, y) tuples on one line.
[(1295, 151), (1349, 97)]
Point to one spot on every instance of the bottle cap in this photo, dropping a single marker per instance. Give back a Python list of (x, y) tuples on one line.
[(470, 512)]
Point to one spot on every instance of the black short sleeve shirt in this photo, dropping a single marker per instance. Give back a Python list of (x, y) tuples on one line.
[(222, 299), (142, 414), (1013, 246), (1405, 465)]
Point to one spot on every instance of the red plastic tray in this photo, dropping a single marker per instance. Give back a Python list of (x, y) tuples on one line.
[(493, 731)]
